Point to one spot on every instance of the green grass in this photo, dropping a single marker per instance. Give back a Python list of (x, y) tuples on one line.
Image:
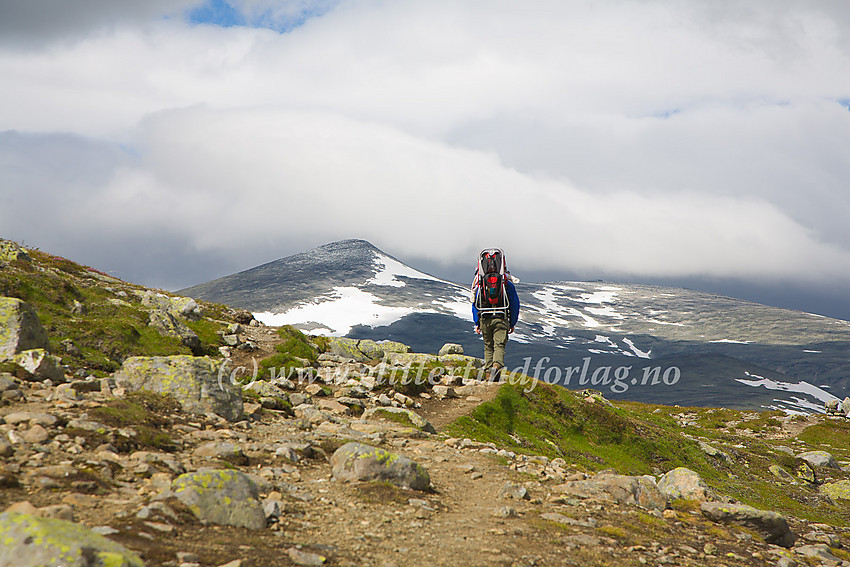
[(552, 421), (635, 438), (292, 352)]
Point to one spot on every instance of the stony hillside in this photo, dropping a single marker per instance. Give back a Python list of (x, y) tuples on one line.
[(251, 445)]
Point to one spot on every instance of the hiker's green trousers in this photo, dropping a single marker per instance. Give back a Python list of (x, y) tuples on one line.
[(495, 333)]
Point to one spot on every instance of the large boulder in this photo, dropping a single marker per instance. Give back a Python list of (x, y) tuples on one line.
[(773, 527), (620, 489), (196, 382), (20, 328), (682, 483), (820, 459), (223, 497), (359, 462), (31, 541)]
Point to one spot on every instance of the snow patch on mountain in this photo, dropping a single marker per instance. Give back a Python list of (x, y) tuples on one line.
[(337, 312), (390, 269), (798, 405)]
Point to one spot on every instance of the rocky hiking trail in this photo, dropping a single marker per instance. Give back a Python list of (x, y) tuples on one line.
[(125, 442)]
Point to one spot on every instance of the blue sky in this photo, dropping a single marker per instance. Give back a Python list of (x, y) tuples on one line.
[(283, 19), (174, 141)]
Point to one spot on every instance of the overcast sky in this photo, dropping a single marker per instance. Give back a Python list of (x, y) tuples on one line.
[(691, 142)]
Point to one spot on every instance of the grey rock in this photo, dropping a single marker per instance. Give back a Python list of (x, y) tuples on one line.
[(818, 551), (40, 364), (820, 459), (170, 326), (685, 484), (6, 448), (20, 328), (195, 382), (634, 490), (844, 408), (300, 557), (223, 497), (265, 389), (31, 541), (782, 474), (514, 491), (713, 451), (32, 418), (401, 416), (223, 451), (450, 348), (773, 527), (184, 307), (359, 462)]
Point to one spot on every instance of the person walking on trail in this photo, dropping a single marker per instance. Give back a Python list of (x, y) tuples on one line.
[(495, 308)]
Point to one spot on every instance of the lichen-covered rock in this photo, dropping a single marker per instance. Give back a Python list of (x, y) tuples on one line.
[(451, 348), (634, 490), (11, 251), (356, 349), (359, 462), (837, 490), (170, 326), (31, 541), (20, 328), (393, 346), (223, 497), (773, 527), (195, 382), (40, 364), (682, 483), (820, 459), (184, 307), (223, 451), (401, 416)]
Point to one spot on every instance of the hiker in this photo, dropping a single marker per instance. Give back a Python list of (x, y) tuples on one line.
[(495, 308)]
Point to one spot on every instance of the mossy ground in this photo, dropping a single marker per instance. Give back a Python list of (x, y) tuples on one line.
[(636, 438), (113, 324), (147, 413), (294, 351)]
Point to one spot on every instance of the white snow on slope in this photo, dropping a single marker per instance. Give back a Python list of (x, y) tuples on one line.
[(639, 353), (802, 387), (339, 310), (731, 341), (389, 270)]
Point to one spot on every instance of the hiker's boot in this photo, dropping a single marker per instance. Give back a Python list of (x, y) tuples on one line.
[(495, 374)]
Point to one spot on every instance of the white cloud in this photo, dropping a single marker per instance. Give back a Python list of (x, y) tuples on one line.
[(622, 138)]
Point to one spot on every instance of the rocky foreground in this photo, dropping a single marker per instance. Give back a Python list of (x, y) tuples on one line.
[(318, 484)]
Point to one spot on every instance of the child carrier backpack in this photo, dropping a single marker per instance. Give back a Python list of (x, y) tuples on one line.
[(488, 286)]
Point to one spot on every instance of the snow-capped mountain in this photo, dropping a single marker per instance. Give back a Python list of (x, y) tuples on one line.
[(640, 342)]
